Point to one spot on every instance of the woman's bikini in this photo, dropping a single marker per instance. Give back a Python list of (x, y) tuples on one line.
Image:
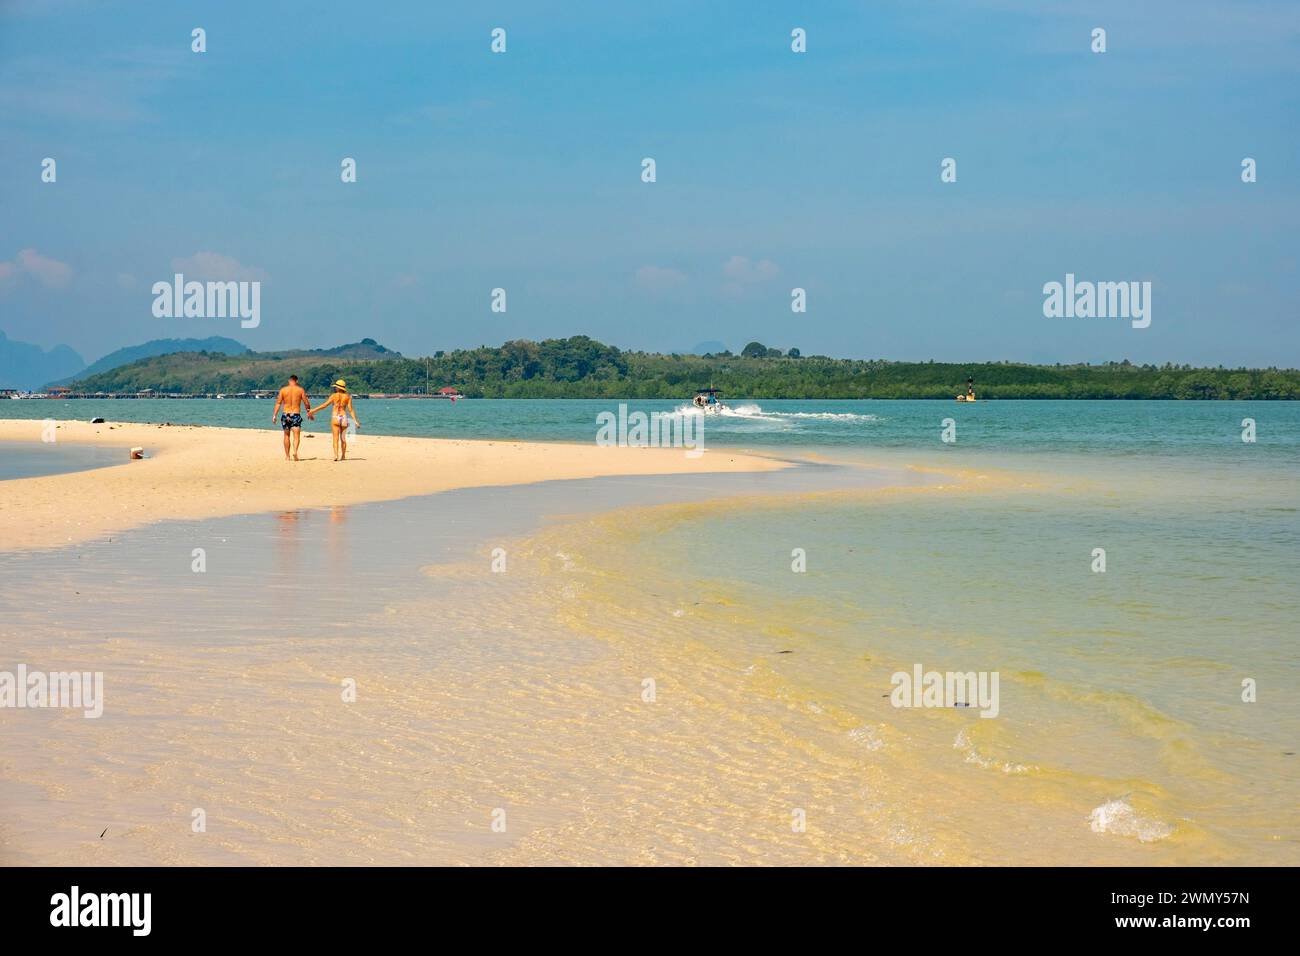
[(340, 417)]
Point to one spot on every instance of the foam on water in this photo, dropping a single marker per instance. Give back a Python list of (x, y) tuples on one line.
[(755, 412), (973, 756), (1120, 819)]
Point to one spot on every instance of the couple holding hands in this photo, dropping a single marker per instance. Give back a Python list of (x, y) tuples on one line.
[(293, 398)]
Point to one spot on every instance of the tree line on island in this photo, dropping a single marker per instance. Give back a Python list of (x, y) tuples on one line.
[(581, 367)]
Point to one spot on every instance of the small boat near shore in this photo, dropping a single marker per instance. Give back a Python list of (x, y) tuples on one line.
[(709, 401)]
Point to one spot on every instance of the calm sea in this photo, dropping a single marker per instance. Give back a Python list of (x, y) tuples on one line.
[(1137, 428)]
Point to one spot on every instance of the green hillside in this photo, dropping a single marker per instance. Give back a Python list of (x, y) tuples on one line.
[(580, 367)]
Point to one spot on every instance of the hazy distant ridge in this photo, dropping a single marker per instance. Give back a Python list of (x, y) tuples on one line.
[(133, 353), (24, 366)]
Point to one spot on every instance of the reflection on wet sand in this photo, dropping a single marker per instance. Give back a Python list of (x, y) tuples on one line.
[(336, 537)]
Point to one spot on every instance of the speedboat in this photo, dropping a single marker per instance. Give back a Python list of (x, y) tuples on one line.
[(709, 401)]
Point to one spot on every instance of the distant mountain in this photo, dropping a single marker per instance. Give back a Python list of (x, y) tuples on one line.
[(27, 366), (214, 371), (134, 353), (709, 348)]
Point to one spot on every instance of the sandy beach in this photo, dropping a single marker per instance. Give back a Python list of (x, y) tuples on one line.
[(195, 472), (473, 691)]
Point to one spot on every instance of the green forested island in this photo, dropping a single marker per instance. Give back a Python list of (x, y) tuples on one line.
[(580, 367)]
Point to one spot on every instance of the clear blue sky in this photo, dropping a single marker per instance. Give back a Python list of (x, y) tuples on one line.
[(775, 170)]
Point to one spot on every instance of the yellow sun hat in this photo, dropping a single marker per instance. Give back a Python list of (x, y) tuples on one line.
[(341, 384)]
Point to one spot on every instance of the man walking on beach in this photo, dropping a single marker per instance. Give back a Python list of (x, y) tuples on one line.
[(292, 397)]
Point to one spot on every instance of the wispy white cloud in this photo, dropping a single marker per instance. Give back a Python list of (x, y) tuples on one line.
[(743, 269), (214, 266), (740, 274), (116, 88), (659, 279), (50, 273)]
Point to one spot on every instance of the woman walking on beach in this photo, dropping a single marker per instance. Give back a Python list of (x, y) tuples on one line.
[(341, 416)]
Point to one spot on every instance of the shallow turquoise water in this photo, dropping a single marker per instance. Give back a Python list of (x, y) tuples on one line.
[(1121, 689), (1116, 428)]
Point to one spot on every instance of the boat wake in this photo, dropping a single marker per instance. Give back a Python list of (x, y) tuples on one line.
[(755, 412)]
